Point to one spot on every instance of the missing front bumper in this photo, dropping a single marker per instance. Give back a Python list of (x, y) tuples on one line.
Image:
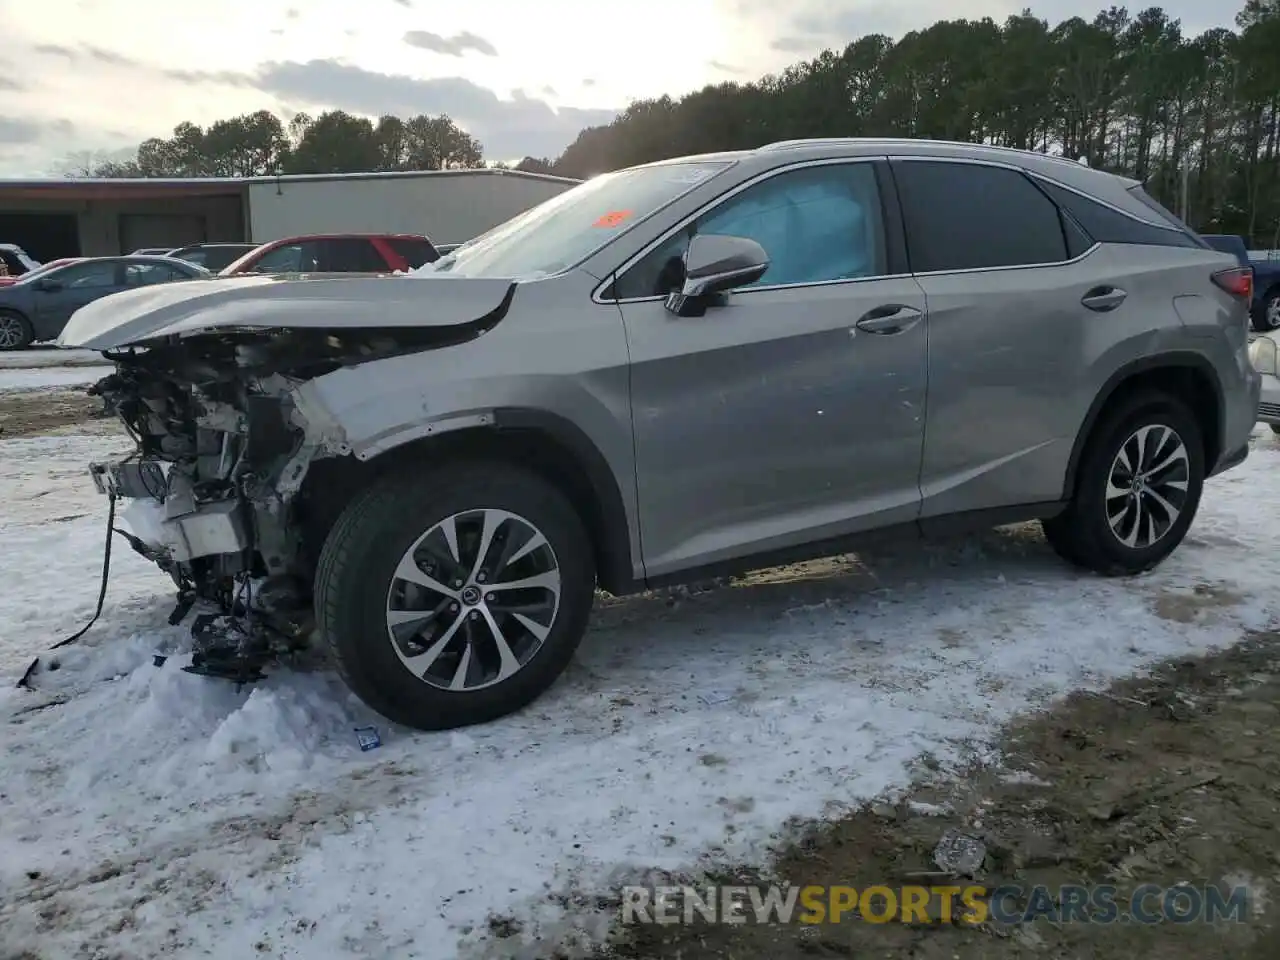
[(174, 526)]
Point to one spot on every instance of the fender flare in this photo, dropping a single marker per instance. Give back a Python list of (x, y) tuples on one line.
[(1178, 360), (618, 575)]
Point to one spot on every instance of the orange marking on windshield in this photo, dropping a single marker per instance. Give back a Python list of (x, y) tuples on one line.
[(612, 219)]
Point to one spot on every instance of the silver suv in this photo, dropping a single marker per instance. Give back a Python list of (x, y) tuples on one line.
[(675, 370)]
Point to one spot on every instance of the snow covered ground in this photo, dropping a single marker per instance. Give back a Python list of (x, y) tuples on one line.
[(144, 811), (39, 378), (50, 357), (51, 367)]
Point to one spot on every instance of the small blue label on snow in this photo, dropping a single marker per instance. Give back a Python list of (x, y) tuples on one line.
[(368, 738)]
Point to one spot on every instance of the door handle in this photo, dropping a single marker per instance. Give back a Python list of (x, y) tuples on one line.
[(1103, 299), (891, 318)]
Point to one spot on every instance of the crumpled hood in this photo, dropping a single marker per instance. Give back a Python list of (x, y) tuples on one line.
[(309, 301)]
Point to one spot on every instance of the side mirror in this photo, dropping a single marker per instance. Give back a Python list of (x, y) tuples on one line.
[(48, 286), (714, 265)]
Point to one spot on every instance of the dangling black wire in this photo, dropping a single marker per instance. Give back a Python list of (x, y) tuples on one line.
[(102, 594)]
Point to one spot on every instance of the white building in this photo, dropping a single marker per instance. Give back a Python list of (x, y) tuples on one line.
[(101, 217)]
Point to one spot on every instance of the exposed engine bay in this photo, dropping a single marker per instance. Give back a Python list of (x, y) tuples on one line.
[(223, 445)]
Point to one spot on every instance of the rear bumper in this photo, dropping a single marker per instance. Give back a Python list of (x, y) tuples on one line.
[(1240, 417)]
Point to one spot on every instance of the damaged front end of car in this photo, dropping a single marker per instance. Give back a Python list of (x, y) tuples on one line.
[(225, 433)]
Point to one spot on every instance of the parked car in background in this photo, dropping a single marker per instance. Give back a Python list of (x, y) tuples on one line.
[(1264, 310), (338, 253), (1264, 355), (15, 260), (1266, 292), (703, 364), (213, 256), (39, 305)]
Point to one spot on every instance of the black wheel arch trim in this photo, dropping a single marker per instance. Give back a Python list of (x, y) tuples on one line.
[(617, 574), (1184, 360)]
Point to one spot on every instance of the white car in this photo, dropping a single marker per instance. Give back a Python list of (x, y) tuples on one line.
[(16, 260), (1264, 354)]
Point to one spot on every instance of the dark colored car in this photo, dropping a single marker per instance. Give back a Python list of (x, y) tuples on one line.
[(1265, 308), (213, 256), (338, 253), (1228, 243), (37, 307)]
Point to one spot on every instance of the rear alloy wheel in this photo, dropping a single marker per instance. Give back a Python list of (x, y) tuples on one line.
[(455, 598), (15, 331), (1138, 488)]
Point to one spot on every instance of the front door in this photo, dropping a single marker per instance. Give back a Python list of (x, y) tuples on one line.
[(65, 291), (795, 411)]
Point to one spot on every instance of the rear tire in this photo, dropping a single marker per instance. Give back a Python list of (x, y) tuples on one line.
[(1117, 525), (15, 331), (469, 659)]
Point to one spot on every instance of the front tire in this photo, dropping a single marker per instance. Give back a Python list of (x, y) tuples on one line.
[(1137, 490), (15, 331), (457, 596)]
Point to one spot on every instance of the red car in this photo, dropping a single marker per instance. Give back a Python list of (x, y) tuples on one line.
[(337, 253)]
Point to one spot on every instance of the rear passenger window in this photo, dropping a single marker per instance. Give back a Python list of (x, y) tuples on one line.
[(352, 255), (962, 216), (1109, 226)]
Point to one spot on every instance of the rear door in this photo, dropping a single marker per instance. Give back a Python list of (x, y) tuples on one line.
[(1010, 340)]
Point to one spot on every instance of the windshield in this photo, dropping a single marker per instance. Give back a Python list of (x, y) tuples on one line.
[(565, 230), (43, 270)]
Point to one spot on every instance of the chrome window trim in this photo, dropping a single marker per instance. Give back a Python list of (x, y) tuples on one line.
[(828, 161), (723, 198), (1053, 264)]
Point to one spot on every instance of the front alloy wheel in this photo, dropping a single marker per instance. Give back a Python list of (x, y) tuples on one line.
[(455, 595), (473, 599), (14, 332)]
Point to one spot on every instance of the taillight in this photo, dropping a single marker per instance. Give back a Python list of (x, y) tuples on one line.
[(1238, 281)]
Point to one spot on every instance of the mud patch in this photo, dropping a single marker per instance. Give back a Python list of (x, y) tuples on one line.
[(1169, 779), (1201, 600), (26, 413)]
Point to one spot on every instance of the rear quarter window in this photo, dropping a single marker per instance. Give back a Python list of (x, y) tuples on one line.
[(1106, 225)]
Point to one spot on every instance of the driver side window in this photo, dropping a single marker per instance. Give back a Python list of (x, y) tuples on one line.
[(817, 224), (291, 258)]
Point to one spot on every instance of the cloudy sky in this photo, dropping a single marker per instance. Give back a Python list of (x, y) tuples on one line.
[(523, 77)]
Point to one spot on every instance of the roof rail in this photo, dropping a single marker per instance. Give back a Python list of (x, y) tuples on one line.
[(919, 141)]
